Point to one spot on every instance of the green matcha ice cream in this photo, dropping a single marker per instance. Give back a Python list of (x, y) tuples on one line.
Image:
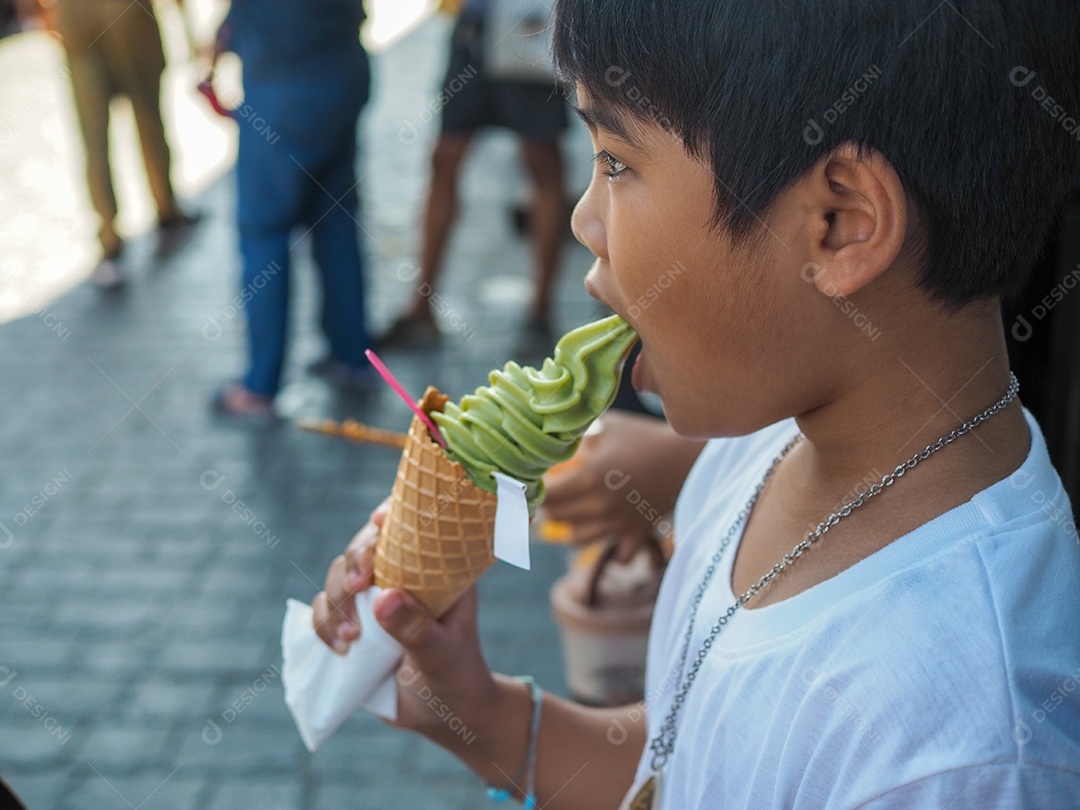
[(530, 419)]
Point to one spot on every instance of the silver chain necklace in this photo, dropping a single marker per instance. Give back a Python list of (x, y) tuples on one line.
[(663, 744)]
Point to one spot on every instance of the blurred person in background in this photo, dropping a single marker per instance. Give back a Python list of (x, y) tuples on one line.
[(113, 48), (478, 96), (306, 79), (24, 15), (632, 446)]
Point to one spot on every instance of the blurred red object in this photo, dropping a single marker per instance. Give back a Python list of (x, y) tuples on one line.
[(206, 87)]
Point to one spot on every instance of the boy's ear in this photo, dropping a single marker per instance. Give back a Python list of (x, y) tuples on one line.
[(860, 218)]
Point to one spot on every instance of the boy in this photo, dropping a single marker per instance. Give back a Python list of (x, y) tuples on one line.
[(767, 186)]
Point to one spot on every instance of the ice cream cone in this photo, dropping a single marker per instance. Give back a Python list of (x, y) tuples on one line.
[(437, 538)]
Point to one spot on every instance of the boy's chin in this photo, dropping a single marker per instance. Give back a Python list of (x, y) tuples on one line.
[(696, 419), (688, 421)]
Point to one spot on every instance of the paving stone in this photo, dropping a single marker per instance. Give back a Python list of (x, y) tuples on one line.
[(68, 697), (46, 741), (211, 744), (433, 762), (113, 616), (40, 789), (32, 582), (125, 748), (361, 750), (218, 656), (201, 619), (159, 698), (232, 582), (103, 656), (24, 617), (46, 654), (253, 703), (264, 793), (374, 796), (161, 788)]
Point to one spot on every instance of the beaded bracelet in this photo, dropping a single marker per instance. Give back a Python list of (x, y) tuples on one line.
[(528, 767)]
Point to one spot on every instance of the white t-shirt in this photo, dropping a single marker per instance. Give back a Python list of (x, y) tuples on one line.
[(941, 672)]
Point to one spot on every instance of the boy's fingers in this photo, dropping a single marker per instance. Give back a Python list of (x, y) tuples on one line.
[(335, 580), (359, 567), (360, 556), (367, 537), (334, 610), (404, 618), (326, 628), (341, 601), (319, 614), (408, 621), (379, 513)]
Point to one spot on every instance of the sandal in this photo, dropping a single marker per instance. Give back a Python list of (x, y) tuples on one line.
[(237, 402)]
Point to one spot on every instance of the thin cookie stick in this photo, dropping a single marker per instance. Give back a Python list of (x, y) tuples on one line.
[(354, 431)]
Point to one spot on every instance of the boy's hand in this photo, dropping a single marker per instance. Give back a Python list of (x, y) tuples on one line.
[(350, 573), (443, 674)]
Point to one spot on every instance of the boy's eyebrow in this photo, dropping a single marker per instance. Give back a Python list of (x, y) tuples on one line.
[(605, 118)]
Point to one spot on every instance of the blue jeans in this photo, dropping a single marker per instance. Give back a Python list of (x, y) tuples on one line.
[(296, 167)]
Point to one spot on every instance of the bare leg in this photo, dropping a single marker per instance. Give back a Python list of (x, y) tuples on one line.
[(440, 211), (544, 163)]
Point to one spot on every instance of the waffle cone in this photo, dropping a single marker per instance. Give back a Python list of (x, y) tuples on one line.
[(437, 538)]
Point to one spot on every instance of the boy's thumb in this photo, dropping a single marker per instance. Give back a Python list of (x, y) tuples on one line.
[(409, 622)]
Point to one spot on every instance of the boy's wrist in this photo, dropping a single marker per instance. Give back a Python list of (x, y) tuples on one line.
[(492, 736), (510, 731)]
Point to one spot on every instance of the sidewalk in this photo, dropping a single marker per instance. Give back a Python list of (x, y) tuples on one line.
[(146, 549)]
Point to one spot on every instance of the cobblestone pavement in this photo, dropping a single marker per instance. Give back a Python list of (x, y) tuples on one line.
[(146, 549)]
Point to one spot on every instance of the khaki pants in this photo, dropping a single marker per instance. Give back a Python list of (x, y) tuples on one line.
[(114, 48)]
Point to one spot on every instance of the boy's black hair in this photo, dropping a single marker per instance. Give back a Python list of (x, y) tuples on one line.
[(975, 103)]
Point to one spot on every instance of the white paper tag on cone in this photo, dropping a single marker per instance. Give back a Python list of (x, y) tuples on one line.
[(322, 689), (511, 522)]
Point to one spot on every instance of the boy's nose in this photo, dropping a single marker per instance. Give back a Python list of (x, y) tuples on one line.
[(587, 223)]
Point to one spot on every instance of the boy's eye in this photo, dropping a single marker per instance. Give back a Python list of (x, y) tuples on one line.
[(610, 165)]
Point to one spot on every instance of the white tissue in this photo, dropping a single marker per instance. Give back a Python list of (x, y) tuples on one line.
[(322, 688)]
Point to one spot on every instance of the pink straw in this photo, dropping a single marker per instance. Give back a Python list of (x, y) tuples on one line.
[(391, 380)]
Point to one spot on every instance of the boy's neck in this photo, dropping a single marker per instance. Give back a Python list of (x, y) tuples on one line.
[(939, 373), (908, 397)]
